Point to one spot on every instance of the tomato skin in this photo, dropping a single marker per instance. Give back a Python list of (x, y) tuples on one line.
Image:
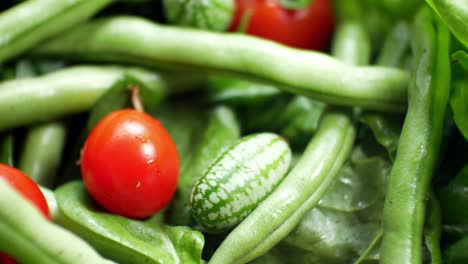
[(309, 28), (130, 164), (29, 190)]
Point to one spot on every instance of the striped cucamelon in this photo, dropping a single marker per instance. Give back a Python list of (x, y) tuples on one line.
[(238, 180)]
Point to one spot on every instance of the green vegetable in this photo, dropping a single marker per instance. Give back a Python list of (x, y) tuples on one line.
[(122, 239), (33, 239), (309, 73), (42, 152), (221, 130), (215, 15), (386, 130), (351, 43), (238, 92), (419, 144), (396, 45), (238, 180), (26, 25), (300, 191), (459, 106), (455, 15), (457, 253), (454, 200), (68, 91), (7, 148), (432, 230)]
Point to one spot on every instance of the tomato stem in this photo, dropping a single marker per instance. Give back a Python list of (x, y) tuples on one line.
[(136, 99)]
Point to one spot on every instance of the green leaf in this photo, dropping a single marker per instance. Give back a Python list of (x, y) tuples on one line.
[(346, 225), (457, 253), (454, 199), (214, 15), (125, 240), (462, 58), (459, 105), (386, 130), (119, 96), (359, 185)]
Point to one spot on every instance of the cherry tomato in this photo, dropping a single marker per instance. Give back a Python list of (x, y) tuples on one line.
[(309, 28), (130, 164), (30, 191)]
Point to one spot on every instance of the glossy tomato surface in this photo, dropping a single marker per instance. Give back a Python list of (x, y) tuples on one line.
[(29, 190), (309, 28), (130, 164)]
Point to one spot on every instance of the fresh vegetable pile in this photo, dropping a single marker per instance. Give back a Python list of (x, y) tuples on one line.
[(234, 131)]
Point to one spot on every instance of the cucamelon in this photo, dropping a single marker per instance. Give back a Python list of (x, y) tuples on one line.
[(238, 180)]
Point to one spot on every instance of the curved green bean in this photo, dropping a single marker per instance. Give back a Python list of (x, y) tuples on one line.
[(299, 192), (29, 23), (313, 74), (419, 144), (42, 152), (30, 238), (72, 90)]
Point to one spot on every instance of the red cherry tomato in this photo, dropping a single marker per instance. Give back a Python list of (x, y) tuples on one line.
[(130, 164), (30, 191), (309, 28)]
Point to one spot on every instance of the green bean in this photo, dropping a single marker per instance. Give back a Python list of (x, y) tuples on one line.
[(432, 229), (27, 24), (69, 91), (351, 43), (42, 152), (309, 73), (297, 194), (30, 238), (396, 45), (6, 148), (51, 203), (419, 143)]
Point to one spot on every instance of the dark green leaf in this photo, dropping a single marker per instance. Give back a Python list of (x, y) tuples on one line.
[(459, 105), (359, 185), (457, 253), (122, 239), (454, 199), (386, 130)]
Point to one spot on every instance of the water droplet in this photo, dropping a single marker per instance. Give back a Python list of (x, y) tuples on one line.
[(150, 161), (138, 184)]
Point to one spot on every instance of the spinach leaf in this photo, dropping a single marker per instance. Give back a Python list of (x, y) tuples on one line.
[(457, 253), (459, 105), (125, 240), (346, 225), (386, 130), (454, 199)]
